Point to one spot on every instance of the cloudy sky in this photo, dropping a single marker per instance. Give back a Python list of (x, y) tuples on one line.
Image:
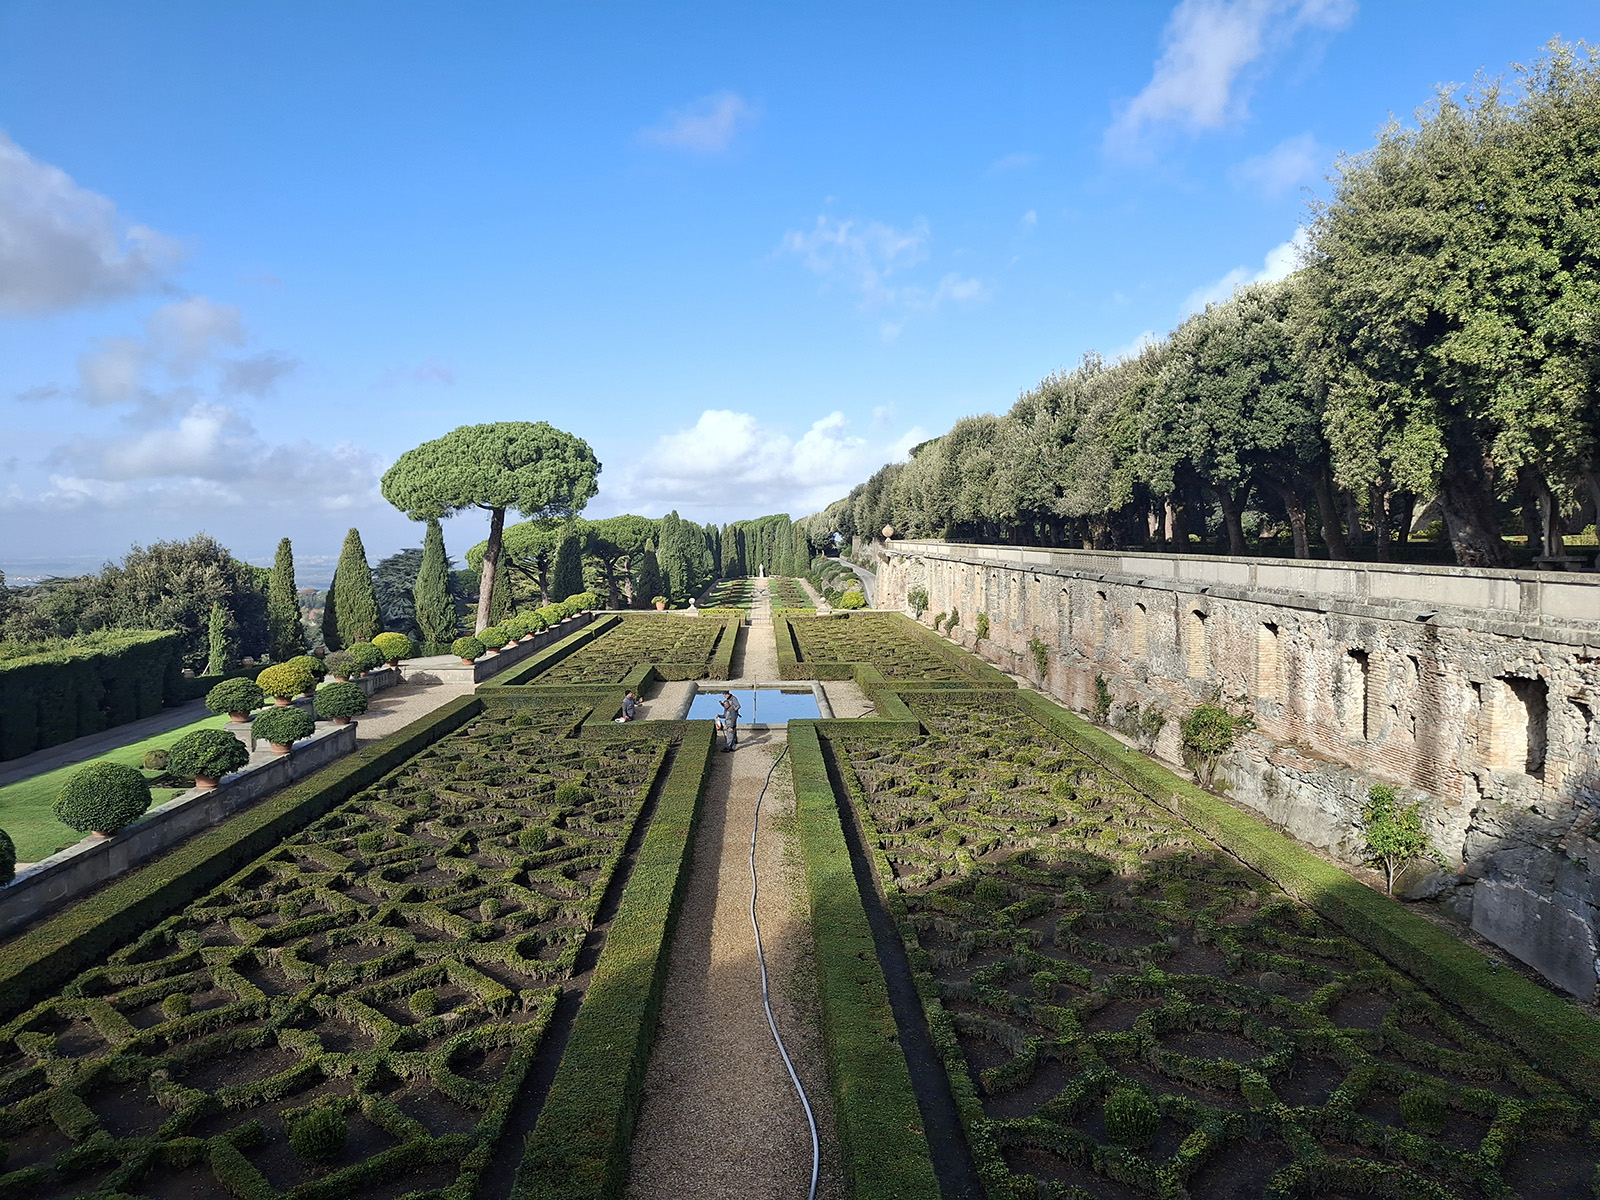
[(250, 253)]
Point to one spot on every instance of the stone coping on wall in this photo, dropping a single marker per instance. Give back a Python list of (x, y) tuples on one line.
[(1544, 606), (47, 885), (448, 669)]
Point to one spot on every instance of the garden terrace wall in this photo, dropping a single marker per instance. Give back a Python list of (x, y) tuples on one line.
[(50, 698), (45, 886), (1476, 692), (1069, 937)]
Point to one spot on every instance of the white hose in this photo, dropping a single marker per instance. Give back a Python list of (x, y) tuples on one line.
[(766, 999)]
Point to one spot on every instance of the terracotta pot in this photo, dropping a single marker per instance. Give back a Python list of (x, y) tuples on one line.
[(281, 701), (278, 747), (341, 720), (468, 661), (393, 664), (527, 637), (490, 653), (511, 645), (340, 678), (239, 718), (661, 606), (204, 782)]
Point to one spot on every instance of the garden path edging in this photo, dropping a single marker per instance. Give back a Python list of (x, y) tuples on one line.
[(55, 881)]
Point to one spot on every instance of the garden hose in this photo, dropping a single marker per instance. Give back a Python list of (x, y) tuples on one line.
[(766, 999)]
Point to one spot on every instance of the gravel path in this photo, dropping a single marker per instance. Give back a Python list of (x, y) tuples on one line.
[(395, 708), (719, 1116)]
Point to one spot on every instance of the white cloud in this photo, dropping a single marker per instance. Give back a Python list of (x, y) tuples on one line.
[(114, 371), (255, 376), (730, 460), (187, 332), (1207, 47), (706, 126), (1281, 169), (213, 456), (868, 256), (1279, 263), (62, 246)]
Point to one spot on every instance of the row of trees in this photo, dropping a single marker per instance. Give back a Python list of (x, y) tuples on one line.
[(1436, 356)]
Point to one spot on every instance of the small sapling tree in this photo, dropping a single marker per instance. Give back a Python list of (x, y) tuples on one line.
[(1207, 733), (917, 598), (1394, 833)]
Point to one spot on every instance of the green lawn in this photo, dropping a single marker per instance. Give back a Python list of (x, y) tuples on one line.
[(25, 806)]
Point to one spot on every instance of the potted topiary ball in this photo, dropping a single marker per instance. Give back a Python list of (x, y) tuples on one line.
[(493, 638), (281, 728), (312, 663), (338, 702), (394, 647), (285, 680), (368, 657), (341, 665), (467, 649), (660, 602), (236, 697), (102, 797), (206, 755)]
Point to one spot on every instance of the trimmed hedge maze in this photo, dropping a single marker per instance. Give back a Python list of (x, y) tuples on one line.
[(678, 647), (891, 646), (1125, 1010), (354, 1012), (789, 593)]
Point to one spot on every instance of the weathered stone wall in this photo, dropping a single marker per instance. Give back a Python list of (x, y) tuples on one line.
[(1476, 692)]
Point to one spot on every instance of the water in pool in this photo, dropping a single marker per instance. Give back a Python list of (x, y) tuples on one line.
[(758, 706)]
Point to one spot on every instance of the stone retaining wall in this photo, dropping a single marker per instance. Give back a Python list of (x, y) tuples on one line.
[(1476, 692), (67, 874)]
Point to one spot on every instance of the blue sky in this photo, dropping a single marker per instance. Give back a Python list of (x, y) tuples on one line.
[(250, 253)]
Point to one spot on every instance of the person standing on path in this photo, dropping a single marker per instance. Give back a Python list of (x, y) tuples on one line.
[(630, 706), (730, 714)]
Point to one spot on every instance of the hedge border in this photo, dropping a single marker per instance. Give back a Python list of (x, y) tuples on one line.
[(982, 676), (1545, 1027), (535, 666), (580, 1146), (718, 666), (39, 960), (883, 1150)]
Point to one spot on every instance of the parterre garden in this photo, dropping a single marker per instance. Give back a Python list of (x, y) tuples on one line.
[(789, 593), (354, 1012), (731, 593), (680, 648), (884, 641)]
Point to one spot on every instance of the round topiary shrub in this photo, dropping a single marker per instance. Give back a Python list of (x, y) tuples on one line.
[(467, 648), (1131, 1117), (154, 760), (207, 754), (235, 696), (1423, 1110), (176, 1005), (394, 646), (286, 679), (852, 600), (423, 1003), (534, 839), (102, 797), (569, 793), (551, 614), (8, 857), (312, 663), (368, 657), (583, 601), (318, 1136), (283, 726), (341, 664), (494, 636), (341, 701)]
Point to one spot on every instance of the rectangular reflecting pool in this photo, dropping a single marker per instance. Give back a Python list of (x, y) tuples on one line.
[(758, 706)]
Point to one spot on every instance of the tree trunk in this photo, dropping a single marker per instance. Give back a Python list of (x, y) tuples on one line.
[(491, 563), (1354, 534), (1403, 513), (1232, 521), (1378, 500), (1295, 505), (1467, 511), (1331, 532)]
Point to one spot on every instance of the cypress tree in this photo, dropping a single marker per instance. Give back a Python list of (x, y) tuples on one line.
[(436, 607), (352, 598), (648, 584), (285, 636), (330, 619), (566, 576), (224, 632)]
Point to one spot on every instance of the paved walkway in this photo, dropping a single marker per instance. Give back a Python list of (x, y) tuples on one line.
[(719, 1116), (395, 708)]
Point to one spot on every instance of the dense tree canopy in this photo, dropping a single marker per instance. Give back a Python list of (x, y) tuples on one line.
[(530, 466), (1436, 353)]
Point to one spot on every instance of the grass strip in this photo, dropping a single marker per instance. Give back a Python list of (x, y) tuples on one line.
[(1557, 1036), (36, 962), (882, 1145), (580, 1146)]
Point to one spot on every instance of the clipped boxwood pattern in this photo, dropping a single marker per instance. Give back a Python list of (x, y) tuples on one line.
[(299, 973), (678, 647), (1073, 940), (789, 593), (893, 645)]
